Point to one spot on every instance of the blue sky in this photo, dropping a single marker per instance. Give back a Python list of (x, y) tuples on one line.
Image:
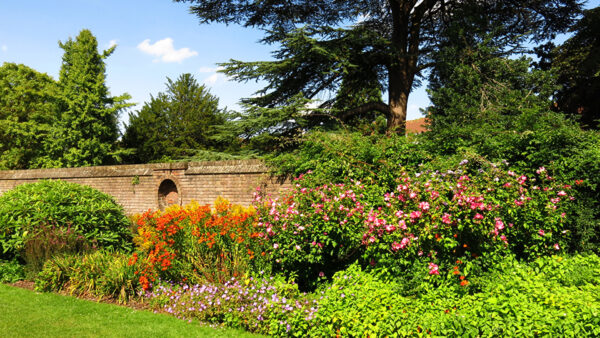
[(155, 39)]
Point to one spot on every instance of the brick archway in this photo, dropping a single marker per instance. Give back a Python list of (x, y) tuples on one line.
[(168, 193)]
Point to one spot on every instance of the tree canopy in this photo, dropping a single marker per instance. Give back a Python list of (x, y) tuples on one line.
[(577, 62), (335, 47), (86, 129), (29, 104), (175, 124)]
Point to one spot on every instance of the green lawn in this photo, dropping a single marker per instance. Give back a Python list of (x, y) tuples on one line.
[(25, 313)]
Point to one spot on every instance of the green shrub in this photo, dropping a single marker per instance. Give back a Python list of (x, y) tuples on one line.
[(516, 299), (65, 209), (530, 140), (11, 271), (101, 273), (343, 157), (434, 218)]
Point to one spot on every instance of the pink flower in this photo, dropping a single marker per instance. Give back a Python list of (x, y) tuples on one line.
[(446, 218), (396, 246), (412, 195), (518, 203), (478, 216), (542, 233), (540, 170), (503, 238), (499, 224), (275, 246), (561, 193), (372, 239), (433, 269), (434, 195), (402, 224), (404, 243), (556, 246), (424, 206), (321, 274), (390, 228), (415, 214)]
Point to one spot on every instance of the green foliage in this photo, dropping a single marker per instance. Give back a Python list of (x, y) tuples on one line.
[(50, 240), (11, 271), (577, 62), (177, 124), (101, 274), (351, 52), (29, 210), (477, 93), (342, 157), (86, 129), (28, 106), (516, 299)]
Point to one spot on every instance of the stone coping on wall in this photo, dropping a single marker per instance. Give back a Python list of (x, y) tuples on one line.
[(190, 168)]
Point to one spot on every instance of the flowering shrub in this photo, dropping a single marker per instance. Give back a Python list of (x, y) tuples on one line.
[(443, 218), (264, 305), (436, 218), (196, 243), (314, 231)]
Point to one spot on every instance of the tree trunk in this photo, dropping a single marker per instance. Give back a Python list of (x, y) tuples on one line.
[(398, 102), (400, 76)]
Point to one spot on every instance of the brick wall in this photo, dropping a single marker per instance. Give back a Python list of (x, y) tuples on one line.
[(136, 187)]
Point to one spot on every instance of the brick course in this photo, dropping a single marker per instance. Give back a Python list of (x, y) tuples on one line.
[(200, 181)]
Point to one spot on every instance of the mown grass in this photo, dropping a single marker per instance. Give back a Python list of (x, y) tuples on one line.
[(25, 313)]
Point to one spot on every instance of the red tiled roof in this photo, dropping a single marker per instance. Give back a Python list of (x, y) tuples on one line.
[(416, 126)]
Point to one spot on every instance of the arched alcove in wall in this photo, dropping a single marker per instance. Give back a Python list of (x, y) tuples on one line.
[(167, 194)]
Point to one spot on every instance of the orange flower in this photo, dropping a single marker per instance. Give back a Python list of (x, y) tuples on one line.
[(464, 283)]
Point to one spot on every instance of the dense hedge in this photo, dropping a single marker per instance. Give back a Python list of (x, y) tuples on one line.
[(53, 210)]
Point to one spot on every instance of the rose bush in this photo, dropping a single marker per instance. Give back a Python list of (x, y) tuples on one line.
[(436, 218)]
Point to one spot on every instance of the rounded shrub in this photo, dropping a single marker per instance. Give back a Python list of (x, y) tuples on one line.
[(55, 215)]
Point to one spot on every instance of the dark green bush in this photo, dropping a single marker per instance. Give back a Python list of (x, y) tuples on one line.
[(68, 210)]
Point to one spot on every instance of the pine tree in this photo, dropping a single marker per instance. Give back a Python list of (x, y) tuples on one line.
[(175, 124)]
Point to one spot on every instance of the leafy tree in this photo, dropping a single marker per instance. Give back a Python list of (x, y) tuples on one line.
[(331, 45), (577, 62), (28, 106), (86, 129), (475, 92), (176, 124)]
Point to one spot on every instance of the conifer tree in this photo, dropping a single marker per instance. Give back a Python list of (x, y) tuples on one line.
[(86, 129)]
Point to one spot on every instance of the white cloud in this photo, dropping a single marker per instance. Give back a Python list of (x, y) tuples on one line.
[(4, 48), (165, 51), (112, 43), (214, 77)]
